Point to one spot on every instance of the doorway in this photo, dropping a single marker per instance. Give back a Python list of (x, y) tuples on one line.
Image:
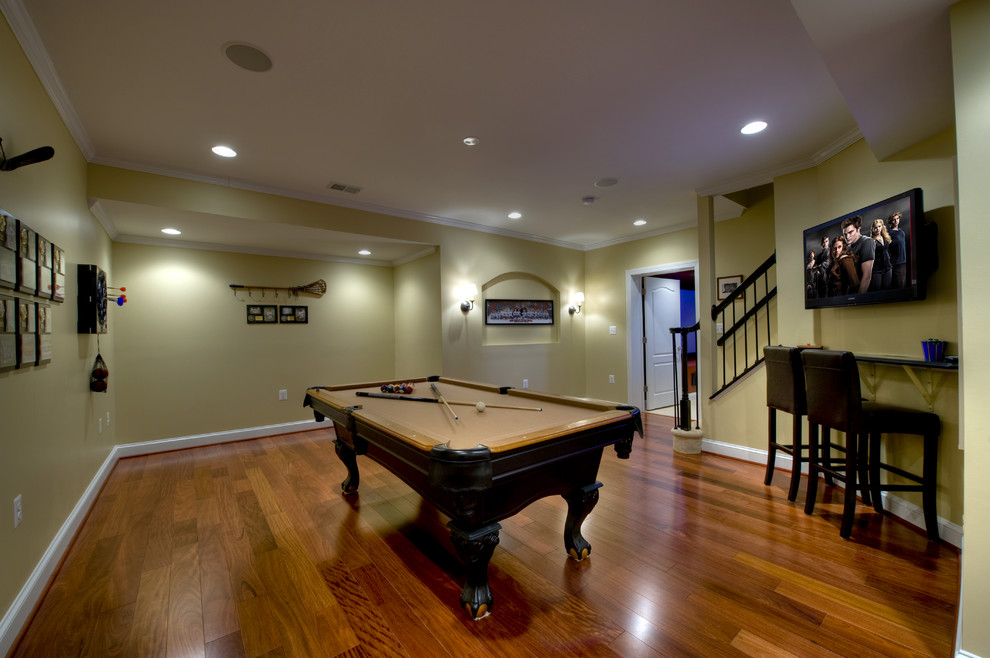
[(659, 298)]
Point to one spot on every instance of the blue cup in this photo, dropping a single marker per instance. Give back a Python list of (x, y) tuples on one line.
[(934, 349)]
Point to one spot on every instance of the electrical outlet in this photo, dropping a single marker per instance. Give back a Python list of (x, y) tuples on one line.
[(525, 383), (108, 419), (611, 330), (718, 328), (611, 379), (283, 394), (18, 511)]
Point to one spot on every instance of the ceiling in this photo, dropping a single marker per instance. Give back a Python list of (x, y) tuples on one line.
[(560, 95)]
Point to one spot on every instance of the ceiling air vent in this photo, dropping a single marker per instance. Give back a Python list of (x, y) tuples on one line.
[(341, 187)]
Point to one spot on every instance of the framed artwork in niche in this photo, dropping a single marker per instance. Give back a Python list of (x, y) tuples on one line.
[(518, 311)]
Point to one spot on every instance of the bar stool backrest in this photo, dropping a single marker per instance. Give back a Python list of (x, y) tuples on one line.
[(785, 379), (832, 385)]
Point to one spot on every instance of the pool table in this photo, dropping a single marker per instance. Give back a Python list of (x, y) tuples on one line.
[(484, 465)]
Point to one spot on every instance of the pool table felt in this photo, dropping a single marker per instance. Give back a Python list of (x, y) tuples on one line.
[(425, 425)]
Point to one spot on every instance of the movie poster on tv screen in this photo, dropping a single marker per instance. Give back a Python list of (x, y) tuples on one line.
[(881, 235)]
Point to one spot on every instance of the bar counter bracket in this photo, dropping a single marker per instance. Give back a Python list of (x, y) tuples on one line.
[(925, 388)]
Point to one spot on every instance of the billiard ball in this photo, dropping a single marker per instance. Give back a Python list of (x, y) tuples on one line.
[(480, 406)]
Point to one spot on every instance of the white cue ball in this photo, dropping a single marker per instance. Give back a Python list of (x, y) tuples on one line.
[(480, 406)]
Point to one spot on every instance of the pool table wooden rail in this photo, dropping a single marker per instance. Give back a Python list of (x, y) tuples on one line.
[(478, 486)]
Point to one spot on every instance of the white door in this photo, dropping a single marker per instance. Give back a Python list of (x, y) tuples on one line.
[(661, 311)]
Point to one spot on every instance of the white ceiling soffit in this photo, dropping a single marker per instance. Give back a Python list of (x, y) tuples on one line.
[(887, 52)]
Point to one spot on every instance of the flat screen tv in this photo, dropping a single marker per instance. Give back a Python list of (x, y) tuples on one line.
[(870, 265)]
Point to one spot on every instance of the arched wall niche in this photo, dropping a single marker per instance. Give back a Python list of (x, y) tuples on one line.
[(520, 285)]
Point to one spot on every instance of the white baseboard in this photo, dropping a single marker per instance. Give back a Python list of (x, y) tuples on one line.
[(948, 532), (20, 610)]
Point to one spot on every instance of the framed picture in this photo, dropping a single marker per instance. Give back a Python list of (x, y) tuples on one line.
[(726, 284), (27, 255), (262, 314), (43, 353), (8, 333), (44, 265), (293, 314), (58, 274), (27, 346), (519, 311), (8, 250)]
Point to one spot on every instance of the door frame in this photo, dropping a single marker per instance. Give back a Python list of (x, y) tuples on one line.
[(635, 354)]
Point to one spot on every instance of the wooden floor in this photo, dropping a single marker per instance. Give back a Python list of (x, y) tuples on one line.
[(249, 549)]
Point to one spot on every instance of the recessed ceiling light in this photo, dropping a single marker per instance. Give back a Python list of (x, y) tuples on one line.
[(172, 231), (753, 127), (471, 141), (515, 215), (606, 182), (639, 222), (224, 151), (364, 252)]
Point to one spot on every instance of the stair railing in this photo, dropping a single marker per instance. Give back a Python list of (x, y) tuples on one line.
[(740, 347), (682, 408)]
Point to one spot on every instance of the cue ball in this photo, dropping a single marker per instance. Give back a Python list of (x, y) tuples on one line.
[(480, 406)]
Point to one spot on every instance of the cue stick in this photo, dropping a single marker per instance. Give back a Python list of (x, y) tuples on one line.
[(499, 406), (413, 398), (436, 391)]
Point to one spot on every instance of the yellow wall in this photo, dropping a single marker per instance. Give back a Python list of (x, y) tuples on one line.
[(551, 360), (193, 365), (418, 344), (854, 179), (178, 359), (971, 61), (50, 446), (742, 244)]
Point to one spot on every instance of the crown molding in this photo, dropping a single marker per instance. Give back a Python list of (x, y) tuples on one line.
[(27, 36), (762, 177)]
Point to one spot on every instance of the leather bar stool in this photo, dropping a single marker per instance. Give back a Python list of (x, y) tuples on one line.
[(834, 401), (785, 392)]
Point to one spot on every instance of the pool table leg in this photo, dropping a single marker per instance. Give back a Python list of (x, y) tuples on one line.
[(475, 548), (349, 458), (580, 502)]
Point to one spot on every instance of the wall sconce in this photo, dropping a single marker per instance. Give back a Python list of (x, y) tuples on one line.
[(576, 302), (468, 293)]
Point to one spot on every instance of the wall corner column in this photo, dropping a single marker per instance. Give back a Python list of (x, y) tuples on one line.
[(706, 298)]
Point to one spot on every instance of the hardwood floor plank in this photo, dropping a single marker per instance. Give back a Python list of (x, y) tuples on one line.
[(185, 604), (297, 623), (219, 606), (363, 616), (228, 646), (250, 549), (112, 631), (148, 636), (902, 631), (406, 622), (825, 590), (753, 645)]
